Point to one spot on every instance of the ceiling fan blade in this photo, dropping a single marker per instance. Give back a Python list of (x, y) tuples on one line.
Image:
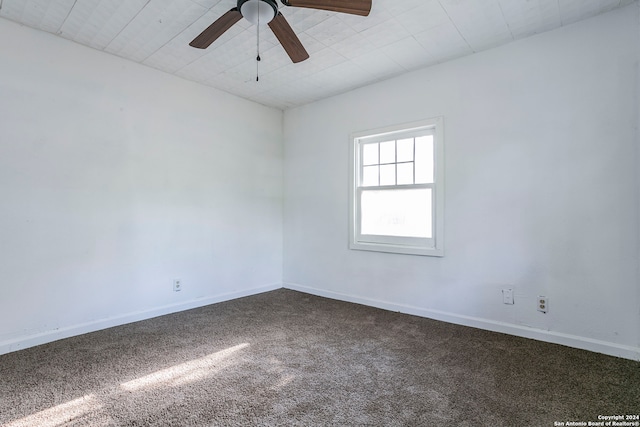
[(288, 39), (354, 7), (216, 29)]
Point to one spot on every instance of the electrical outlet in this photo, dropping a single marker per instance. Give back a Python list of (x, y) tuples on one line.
[(543, 304), (507, 296), (177, 286)]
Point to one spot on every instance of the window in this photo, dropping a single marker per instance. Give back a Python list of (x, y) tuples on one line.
[(397, 197)]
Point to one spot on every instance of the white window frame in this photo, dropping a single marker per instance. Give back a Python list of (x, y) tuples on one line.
[(402, 245)]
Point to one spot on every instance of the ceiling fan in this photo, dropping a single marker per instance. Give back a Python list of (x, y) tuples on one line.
[(266, 11)]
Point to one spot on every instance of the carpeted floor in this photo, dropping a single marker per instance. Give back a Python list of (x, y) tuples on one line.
[(288, 358)]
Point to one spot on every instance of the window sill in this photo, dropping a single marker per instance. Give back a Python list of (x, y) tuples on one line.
[(397, 249)]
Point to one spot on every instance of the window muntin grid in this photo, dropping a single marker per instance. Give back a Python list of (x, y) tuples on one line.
[(406, 161)]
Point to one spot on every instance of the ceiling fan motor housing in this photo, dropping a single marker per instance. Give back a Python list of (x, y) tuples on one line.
[(258, 11)]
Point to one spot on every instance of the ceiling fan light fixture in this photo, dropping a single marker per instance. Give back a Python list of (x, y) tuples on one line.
[(266, 12), (258, 11)]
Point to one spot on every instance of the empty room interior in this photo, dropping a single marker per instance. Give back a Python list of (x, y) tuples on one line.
[(309, 212)]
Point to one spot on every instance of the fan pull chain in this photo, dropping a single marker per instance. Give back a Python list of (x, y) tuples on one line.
[(258, 47)]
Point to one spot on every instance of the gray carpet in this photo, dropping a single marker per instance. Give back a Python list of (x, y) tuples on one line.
[(287, 358)]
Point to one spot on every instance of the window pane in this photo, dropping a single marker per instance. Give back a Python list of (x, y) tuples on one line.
[(369, 176), (388, 175), (370, 154), (405, 150), (405, 173), (402, 213), (424, 159), (388, 152)]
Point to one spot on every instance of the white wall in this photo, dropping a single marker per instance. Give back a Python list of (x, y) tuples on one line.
[(637, 91), (114, 180), (541, 189)]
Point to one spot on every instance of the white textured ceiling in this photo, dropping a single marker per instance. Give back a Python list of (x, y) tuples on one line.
[(346, 51)]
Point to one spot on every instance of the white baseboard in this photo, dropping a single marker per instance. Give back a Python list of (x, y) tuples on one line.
[(575, 341), (598, 346), (44, 337)]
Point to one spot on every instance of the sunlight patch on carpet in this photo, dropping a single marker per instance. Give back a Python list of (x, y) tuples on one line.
[(183, 373), (61, 414)]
